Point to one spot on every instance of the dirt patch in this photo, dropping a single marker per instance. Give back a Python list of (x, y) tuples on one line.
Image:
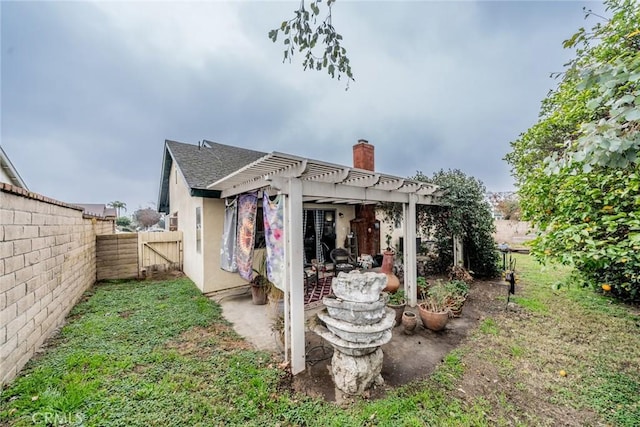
[(407, 358), (159, 276), (201, 342)]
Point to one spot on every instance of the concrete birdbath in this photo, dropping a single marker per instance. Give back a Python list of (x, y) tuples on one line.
[(357, 324)]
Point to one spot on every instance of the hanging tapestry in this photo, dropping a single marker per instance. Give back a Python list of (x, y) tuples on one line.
[(247, 207), (273, 213), (229, 236)]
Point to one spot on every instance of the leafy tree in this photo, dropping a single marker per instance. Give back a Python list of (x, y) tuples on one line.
[(510, 209), (467, 215), (464, 213), (118, 205), (147, 217), (302, 33), (578, 168), (123, 221)]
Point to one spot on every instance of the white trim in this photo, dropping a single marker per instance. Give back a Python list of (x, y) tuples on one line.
[(11, 171), (295, 247), (324, 180), (410, 251)]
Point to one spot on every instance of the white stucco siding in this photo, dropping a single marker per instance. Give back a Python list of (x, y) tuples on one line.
[(181, 202)]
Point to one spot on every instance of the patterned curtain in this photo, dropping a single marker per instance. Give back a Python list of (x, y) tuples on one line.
[(229, 236), (247, 208), (319, 227), (273, 213)]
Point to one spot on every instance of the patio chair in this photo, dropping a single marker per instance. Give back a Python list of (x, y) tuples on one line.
[(342, 260)]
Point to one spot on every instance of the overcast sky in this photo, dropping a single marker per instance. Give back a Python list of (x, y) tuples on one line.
[(90, 90)]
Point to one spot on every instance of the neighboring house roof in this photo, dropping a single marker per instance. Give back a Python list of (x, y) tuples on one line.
[(97, 209), (9, 171), (201, 165)]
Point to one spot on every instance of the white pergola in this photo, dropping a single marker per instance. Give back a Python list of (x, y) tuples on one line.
[(303, 180)]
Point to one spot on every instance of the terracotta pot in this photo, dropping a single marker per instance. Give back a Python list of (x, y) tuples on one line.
[(432, 320), (456, 311), (259, 295), (399, 309), (393, 283), (409, 322)]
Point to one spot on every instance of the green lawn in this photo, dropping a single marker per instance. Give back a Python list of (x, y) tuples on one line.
[(159, 353)]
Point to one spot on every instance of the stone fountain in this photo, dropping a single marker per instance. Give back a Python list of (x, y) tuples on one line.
[(356, 323)]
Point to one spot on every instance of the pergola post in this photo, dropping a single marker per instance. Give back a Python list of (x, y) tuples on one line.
[(294, 304), (410, 250), (458, 251)]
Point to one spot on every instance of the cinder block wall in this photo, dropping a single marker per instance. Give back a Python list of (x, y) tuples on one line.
[(47, 260)]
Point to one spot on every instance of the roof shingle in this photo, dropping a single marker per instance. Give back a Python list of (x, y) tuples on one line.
[(203, 165)]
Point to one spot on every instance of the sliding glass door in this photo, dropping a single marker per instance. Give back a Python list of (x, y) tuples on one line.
[(319, 227)]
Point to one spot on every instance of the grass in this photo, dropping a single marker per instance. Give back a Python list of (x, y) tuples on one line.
[(159, 353), (590, 337)]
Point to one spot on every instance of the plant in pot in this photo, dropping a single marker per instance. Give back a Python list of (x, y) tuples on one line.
[(398, 302), (260, 284), (459, 291), (423, 286), (434, 309)]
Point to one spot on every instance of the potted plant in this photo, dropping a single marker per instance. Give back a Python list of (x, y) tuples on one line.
[(423, 286), (260, 284), (398, 302), (434, 310), (459, 291)]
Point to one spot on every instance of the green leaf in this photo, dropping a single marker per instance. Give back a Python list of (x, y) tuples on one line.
[(633, 115), (594, 103)]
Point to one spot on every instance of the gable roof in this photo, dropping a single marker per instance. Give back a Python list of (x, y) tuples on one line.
[(97, 209), (10, 171), (201, 165)]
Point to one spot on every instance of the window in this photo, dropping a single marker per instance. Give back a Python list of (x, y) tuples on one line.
[(173, 222), (198, 230), (260, 241)]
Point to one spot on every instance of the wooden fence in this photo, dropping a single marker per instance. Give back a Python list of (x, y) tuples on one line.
[(133, 255), (160, 251), (117, 256)]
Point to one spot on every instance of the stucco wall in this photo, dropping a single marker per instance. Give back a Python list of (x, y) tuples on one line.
[(215, 278), (47, 260), (180, 201), (515, 233)]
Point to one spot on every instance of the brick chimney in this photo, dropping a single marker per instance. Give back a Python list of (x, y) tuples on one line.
[(363, 155), (365, 225)]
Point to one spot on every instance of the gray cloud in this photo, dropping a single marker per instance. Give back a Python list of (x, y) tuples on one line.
[(91, 90)]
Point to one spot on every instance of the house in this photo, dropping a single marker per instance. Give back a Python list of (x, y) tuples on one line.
[(326, 206), (8, 172), (98, 210), (496, 199)]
